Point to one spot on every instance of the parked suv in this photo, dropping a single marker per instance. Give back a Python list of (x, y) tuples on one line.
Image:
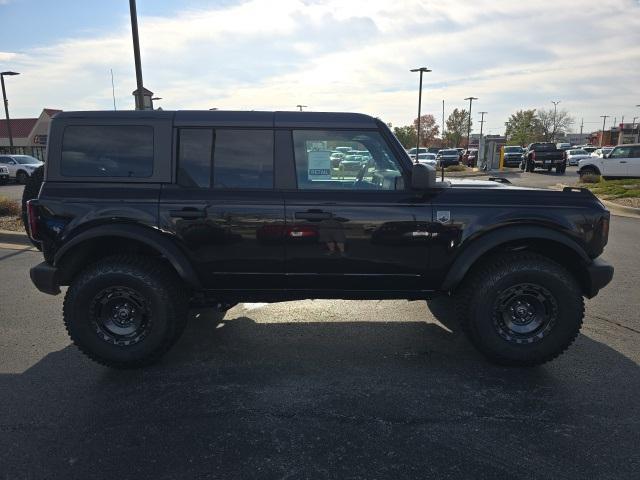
[(143, 214), (621, 161), (20, 167)]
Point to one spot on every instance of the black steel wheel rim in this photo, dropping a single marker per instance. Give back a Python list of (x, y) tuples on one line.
[(524, 313), (120, 315)]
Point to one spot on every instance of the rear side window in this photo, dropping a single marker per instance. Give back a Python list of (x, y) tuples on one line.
[(243, 159), (194, 157), (107, 151)]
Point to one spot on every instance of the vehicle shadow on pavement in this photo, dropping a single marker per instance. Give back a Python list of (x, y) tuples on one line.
[(386, 399)]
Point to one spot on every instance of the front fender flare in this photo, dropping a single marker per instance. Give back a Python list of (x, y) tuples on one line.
[(146, 235), (478, 247)]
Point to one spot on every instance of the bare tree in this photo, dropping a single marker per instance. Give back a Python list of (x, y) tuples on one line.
[(553, 123)]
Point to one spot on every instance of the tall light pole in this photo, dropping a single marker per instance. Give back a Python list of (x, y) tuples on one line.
[(555, 112), (136, 55), (482, 114), (471, 99), (6, 104), (443, 123), (604, 119), (302, 106), (421, 70)]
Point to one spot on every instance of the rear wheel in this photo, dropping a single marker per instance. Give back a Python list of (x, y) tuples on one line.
[(21, 177), (521, 309), (561, 168), (125, 311), (588, 172)]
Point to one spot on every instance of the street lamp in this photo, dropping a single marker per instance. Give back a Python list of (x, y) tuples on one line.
[(555, 110), (6, 103), (471, 99), (302, 106), (421, 70)]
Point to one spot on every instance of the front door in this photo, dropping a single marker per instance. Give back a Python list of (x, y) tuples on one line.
[(352, 223), (226, 213), (633, 165)]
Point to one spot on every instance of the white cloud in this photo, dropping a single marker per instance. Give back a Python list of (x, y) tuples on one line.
[(355, 55)]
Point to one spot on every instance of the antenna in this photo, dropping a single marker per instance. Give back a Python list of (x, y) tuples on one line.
[(113, 90)]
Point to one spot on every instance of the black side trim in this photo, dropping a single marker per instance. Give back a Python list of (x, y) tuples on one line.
[(149, 236)]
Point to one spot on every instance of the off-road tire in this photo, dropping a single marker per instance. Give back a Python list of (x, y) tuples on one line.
[(588, 171), (31, 191), (561, 169), (165, 301), (476, 308)]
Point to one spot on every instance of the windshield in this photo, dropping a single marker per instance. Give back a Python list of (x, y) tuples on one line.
[(512, 149), (26, 160), (577, 152), (449, 152)]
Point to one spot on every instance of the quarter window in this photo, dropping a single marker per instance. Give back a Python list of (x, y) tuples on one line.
[(345, 160), (107, 151)]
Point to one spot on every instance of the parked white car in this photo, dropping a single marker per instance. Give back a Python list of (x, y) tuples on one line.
[(428, 159), (576, 154), (601, 152), (4, 175), (20, 166), (622, 161)]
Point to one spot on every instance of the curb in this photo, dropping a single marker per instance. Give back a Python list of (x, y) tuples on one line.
[(16, 238), (621, 210)]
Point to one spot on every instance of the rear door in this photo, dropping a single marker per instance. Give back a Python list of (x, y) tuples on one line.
[(224, 208), (633, 167), (360, 229)]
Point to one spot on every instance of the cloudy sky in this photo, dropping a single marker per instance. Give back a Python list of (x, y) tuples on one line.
[(333, 55)]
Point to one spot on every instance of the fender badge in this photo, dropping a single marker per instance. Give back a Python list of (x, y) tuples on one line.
[(443, 216)]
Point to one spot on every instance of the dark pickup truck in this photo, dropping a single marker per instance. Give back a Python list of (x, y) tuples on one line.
[(144, 214), (544, 155)]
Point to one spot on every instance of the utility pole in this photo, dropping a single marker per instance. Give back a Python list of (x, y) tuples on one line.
[(421, 70), (136, 54), (604, 120), (6, 105), (555, 118), (302, 106), (471, 99), (482, 121), (113, 90)]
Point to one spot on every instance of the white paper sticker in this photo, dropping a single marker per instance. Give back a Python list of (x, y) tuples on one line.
[(319, 165)]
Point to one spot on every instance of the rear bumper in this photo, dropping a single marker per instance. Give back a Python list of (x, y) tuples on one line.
[(599, 274), (44, 277)]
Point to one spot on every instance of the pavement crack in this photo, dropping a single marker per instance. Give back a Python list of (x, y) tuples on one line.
[(615, 323)]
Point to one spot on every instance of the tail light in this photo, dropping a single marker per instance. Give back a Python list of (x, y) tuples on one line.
[(533, 155), (32, 217)]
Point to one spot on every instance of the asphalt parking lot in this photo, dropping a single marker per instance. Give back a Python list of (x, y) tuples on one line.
[(321, 389)]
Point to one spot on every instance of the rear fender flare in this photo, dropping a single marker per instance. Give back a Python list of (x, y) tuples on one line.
[(146, 235)]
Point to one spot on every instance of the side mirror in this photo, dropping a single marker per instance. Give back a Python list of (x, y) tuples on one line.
[(423, 177), (606, 155)]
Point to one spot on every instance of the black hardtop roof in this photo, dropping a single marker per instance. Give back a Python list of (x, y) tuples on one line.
[(229, 118)]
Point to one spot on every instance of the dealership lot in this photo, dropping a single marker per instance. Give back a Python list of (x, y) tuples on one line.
[(321, 389)]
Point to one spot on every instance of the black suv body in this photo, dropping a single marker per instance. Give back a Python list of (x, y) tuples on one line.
[(142, 214)]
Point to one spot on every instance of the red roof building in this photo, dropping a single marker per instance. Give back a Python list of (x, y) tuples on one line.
[(28, 132)]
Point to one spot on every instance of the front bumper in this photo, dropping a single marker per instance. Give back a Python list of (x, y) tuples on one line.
[(44, 277), (599, 274)]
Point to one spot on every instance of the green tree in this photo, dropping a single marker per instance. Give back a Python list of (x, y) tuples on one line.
[(457, 125), (428, 129), (523, 128), (407, 135)]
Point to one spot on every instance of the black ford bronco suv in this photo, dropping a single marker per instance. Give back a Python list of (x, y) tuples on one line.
[(142, 214)]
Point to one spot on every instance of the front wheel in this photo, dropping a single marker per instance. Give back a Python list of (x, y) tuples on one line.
[(21, 177), (521, 309), (125, 311)]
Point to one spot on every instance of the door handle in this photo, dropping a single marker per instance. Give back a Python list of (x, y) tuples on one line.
[(623, 161), (188, 213), (312, 215)]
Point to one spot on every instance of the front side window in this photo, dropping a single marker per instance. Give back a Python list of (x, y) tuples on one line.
[(243, 159), (367, 163), (107, 151), (622, 152)]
